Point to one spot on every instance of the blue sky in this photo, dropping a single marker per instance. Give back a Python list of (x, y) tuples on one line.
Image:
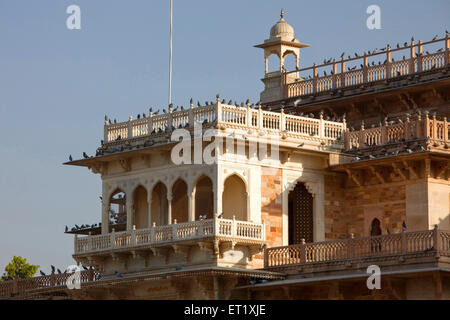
[(56, 85)]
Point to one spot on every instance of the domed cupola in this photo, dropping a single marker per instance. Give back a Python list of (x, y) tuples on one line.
[(282, 29)]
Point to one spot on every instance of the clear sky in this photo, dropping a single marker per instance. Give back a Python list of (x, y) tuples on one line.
[(56, 85)]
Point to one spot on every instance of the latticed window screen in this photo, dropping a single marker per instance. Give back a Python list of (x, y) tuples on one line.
[(300, 215)]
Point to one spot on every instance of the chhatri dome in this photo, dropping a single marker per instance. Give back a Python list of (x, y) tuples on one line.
[(282, 29), (281, 42)]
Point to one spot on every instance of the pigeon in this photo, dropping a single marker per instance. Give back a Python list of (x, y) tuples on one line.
[(404, 225), (85, 155), (53, 268), (388, 231), (409, 150), (85, 268), (42, 273), (220, 216), (59, 271), (118, 275), (179, 267), (67, 229), (301, 145), (435, 37), (70, 158)]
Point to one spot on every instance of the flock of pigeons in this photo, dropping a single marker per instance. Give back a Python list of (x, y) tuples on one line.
[(376, 50), (54, 270), (83, 227)]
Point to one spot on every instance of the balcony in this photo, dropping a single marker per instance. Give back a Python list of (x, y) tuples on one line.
[(310, 83), (154, 128), (418, 248), (213, 235)]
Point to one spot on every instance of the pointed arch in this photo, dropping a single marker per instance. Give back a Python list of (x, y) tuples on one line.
[(159, 205), (140, 216), (234, 198), (180, 201), (204, 197)]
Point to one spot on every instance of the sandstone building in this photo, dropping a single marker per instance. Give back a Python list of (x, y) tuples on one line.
[(291, 198)]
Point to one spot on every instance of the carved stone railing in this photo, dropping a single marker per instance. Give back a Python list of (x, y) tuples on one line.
[(356, 248), (420, 127), (225, 116), (22, 287), (418, 62), (216, 227)]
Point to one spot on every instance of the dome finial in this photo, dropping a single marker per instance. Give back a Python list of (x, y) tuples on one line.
[(282, 14)]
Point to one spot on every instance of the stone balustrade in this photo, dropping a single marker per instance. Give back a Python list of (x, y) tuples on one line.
[(226, 116), (220, 228), (359, 248), (22, 287), (417, 62), (417, 128)]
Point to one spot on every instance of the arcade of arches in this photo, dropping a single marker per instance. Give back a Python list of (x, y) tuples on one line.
[(163, 205)]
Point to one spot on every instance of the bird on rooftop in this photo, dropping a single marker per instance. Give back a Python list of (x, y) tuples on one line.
[(156, 112), (67, 229), (164, 111), (179, 267), (42, 273), (85, 268), (53, 268), (117, 274), (85, 155), (59, 271), (435, 37), (70, 158)]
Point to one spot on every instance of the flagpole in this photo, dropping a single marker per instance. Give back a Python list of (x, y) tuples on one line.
[(170, 56)]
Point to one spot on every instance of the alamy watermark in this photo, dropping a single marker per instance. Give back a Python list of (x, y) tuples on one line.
[(191, 149), (374, 280), (374, 20), (74, 280), (74, 20)]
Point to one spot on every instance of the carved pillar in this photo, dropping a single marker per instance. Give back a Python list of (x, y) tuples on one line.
[(169, 207), (130, 212), (191, 205), (105, 215), (149, 217)]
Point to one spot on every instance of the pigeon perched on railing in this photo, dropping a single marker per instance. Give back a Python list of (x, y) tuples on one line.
[(42, 273)]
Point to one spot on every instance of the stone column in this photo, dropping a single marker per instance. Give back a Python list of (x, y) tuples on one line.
[(169, 208), (149, 217), (129, 213), (105, 215), (191, 206)]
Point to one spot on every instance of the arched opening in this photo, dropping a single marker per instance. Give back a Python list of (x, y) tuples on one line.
[(180, 201), (375, 230), (300, 216), (273, 62), (159, 204), (290, 61), (140, 218), (117, 208), (234, 198), (204, 198), (375, 227)]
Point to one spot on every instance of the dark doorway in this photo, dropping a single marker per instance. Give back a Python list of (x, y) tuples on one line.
[(300, 206)]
